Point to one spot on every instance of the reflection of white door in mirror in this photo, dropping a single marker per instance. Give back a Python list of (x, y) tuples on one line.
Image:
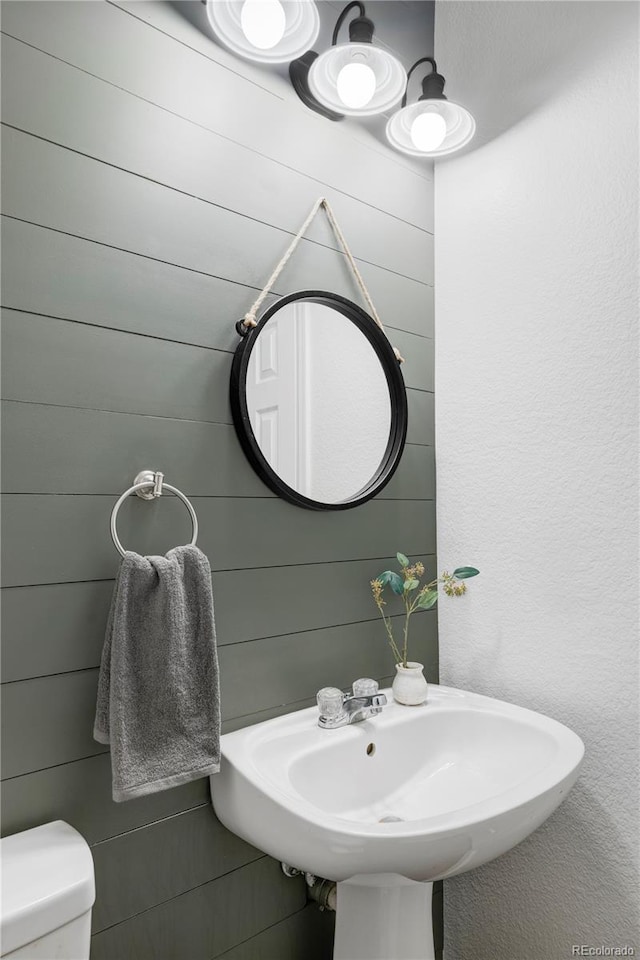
[(318, 402), (276, 395)]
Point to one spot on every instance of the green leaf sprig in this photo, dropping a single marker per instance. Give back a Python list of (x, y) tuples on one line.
[(406, 585)]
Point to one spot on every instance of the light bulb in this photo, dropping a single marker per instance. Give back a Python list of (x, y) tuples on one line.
[(263, 22), (356, 85), (428, 130)]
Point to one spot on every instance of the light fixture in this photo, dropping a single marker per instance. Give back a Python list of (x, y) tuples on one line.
[(434, 126), (354, 78), (264, 30)]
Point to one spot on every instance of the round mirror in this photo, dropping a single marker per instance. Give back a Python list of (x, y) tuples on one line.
[(318, 401)]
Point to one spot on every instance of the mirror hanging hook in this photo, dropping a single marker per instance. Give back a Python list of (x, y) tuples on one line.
[(243, 326)]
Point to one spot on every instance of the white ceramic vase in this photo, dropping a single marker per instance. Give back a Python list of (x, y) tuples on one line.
[(409, 686)]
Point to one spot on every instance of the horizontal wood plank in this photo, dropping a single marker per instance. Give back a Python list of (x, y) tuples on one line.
[(58, 275), (55, 628), (418, 352), (49, 720), (421, 427), (69, 537), (318, 595), (57, 188), (108, 43), (415, 478), (208, 920), (96, 368), (283, 669), (66, 452), (60, 627), (69, 364), (207, 456), (186, 157), (307, 935), (157, 299), (155, 863), (80, 793)]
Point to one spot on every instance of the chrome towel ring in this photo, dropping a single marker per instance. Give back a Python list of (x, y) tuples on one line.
[(148, 485)]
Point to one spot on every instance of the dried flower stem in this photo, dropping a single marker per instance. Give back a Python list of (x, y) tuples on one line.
[(415, 596), (410, 607), (376, 588)]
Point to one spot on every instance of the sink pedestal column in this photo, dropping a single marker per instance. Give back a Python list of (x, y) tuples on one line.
[(383, 917)]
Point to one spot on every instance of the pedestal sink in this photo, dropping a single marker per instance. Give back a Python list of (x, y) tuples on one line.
[(387, 806)]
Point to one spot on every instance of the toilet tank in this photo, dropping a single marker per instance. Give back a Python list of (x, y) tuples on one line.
[(48, 891)]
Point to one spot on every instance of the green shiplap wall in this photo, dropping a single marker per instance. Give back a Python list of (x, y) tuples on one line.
[(150, 181)]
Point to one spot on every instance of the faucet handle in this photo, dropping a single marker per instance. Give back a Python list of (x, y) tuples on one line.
[(330, 702), (365, 687)]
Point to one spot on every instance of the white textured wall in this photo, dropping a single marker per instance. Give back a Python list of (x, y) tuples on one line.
[(537, 443)]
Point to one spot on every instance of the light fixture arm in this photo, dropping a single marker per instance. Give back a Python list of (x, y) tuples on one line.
[(360, 28), (432, 84)]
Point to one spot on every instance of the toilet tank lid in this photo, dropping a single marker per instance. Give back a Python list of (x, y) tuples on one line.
[(47, 881)]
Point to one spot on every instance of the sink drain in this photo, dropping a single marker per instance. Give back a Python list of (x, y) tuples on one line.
[(391, 820)]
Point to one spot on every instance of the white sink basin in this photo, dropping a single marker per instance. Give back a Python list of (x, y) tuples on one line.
[(468, 776)]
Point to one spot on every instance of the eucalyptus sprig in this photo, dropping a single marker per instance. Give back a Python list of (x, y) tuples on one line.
[(415, 596)]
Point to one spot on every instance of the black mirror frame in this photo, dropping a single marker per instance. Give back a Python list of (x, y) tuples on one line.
[(395, 382)]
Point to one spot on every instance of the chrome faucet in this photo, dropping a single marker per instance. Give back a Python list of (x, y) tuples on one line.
[(337, 709)]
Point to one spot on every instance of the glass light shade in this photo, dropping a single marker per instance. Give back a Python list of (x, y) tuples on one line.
[(267, 31), (409, 133), (327, 80)]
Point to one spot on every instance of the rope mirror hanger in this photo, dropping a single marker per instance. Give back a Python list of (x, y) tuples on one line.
[(249, 320)]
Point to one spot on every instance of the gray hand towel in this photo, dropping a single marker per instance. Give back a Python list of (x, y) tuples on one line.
[(158, 691)]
